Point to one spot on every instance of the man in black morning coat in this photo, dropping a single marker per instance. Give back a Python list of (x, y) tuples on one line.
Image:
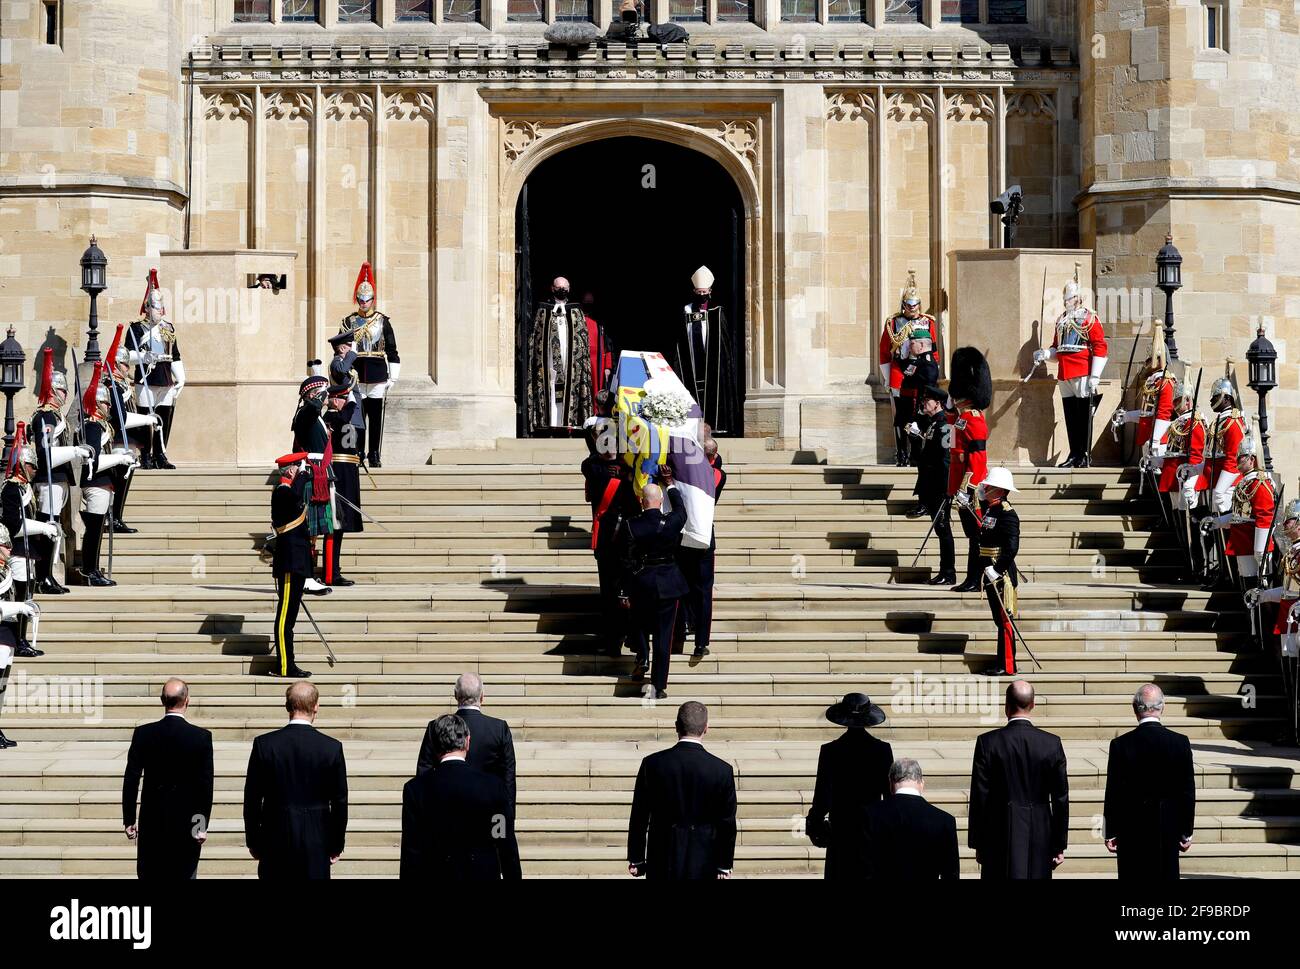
[(175, 758), (493, 747), (852, 774), (296, 795), (457, 822), (908, 839), (1019, 795), (683, 821), (1150, 794)]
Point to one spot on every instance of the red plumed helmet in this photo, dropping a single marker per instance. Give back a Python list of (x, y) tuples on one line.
[(90, 397), (47, 375), (365, 283), (152, 294), (116, 345), (15, 453)]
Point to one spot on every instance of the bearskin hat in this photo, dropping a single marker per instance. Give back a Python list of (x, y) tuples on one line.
[(970, 378)]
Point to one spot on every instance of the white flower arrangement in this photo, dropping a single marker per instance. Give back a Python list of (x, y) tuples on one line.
[(667, 407)]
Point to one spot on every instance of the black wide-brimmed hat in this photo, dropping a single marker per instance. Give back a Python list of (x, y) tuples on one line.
[(855, 710)]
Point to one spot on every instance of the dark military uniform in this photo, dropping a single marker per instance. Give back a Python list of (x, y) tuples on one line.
[(999, 542), (931, 490), (652, 581), (347, 435), (291, 564), (613, 501)]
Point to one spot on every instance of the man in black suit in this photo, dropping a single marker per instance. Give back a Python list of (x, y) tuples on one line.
[(493, 750), (1150, 805), (1019, 795), (852, 774), (697, 566), (907, 838), (685, 798), (296, 795), (175, 758), (651, 579), (457, 822)]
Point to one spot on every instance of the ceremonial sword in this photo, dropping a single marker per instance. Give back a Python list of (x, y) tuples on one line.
[(330, 657), (1011, 622), (925, 541), (368, 518)]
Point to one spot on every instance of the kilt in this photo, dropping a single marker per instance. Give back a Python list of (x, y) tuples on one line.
[(347, 484), (320, 518)]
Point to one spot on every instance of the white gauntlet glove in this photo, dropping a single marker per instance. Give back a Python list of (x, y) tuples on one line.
[(991, 574), (16, 610)]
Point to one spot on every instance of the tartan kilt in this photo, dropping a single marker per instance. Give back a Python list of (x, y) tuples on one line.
[(320, 518), (347, 484)]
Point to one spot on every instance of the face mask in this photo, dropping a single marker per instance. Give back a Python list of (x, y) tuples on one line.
[(560, 293)]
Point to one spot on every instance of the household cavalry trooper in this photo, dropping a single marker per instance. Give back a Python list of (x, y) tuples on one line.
[(378, 364), (909, 354), (125, 418), (999, 543), (1155, 394), (1249, 519), (159, 374), (57, 465), (970, 391), (1228, 428), (312, 437), (98, 477), (13, 616), (1179, 458), (291, 556), (347, 428), (1287, 592), (17, 515), (1079, 349)]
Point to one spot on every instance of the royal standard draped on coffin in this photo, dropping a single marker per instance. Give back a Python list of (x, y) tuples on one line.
[(646, 444)]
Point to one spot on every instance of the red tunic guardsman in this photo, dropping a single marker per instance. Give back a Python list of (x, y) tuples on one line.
[(1079, 348), (971, 389), (1155, 396), (1287, 593), (1250, 521), (1228, 429)]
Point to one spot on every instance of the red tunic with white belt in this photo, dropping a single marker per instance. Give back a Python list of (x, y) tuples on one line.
[(1088, 334), (1158, 399), (1184, 444), (1252, 498), (1226, 433), (968, 454)]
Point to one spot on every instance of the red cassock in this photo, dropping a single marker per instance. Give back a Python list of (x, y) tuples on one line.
[(1164, 411), (602, 358), (970, 435), (1241, 538), (1232, 430), (1079, 364), (1195, 455)]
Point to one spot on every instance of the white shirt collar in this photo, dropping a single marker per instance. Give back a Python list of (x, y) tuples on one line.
[(1026, 719), (175, 713), (471, 706), (304, 722), (909, 790), (690, 740), (1155, 719), (454, 755)]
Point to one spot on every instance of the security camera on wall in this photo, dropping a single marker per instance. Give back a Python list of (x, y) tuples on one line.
[(1010, 204)]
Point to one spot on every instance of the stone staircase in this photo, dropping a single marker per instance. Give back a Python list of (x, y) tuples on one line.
[(484, 564)]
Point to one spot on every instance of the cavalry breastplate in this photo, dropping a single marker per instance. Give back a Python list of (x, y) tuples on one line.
[(1072, 332), (1218, 433), (157, 338), (368, 334)]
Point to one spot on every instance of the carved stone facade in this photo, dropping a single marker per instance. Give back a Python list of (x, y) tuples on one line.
[(859, 153)]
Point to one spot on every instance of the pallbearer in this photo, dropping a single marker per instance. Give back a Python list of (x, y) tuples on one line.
[(1079, 348), (159, 374), (999, 543), (909, 351), (378, 364), (56, 459), (347, 426), (1249, 520), (702, 357), (311, 435), (608, 488), (291, 561), (970, 391)]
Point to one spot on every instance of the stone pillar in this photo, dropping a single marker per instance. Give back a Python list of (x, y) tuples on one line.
[(1004, 302), (244, 352)]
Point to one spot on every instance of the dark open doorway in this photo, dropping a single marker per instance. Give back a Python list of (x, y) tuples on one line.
[(629, 220)]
